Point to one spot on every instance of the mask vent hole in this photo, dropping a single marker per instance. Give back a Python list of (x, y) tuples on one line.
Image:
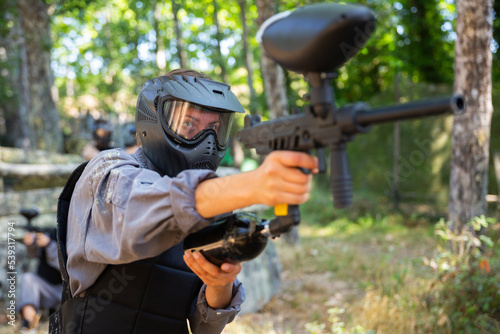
[(204, 165), (145, 114)]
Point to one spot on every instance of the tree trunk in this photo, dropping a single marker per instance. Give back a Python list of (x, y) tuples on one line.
[(274, 80), (161, 61), (218, 52), (43, 114), (471, 131), (181, 53), (247, 56), (15, 96)]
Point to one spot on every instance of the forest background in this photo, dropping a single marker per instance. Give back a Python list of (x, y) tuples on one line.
[(97, 54), (92, 57)]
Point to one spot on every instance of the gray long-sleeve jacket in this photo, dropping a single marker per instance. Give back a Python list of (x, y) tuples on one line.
[(123, 210)]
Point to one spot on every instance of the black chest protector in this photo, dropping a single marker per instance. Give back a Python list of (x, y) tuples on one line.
[(49, 273), (148, 296)]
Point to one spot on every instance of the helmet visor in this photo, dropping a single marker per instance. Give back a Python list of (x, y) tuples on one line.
[(189, 121)]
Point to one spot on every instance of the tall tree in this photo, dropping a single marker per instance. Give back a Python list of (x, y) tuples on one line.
[(274, 79), (14, 108), (471, 131), (31, 117), (161, 61), (219, 59), (247, 55), (181, 52)]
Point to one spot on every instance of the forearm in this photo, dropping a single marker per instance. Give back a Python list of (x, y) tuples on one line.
[(219, 297), (277, 180), (225, 194)]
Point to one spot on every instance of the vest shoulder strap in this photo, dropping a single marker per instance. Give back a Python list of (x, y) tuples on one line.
[(62, 225)]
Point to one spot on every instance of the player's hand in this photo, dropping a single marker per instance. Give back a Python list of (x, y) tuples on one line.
[(29, 238), (279, 180), (42, 240), (209, 273), (219, 280)]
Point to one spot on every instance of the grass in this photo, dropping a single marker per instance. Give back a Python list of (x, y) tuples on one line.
[(371, 273), (359, 268)]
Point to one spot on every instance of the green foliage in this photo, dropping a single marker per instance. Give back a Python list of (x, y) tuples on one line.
[(109, 50), (425, 148), (320, 210), (103, 51), (468, 289), (424, 34)]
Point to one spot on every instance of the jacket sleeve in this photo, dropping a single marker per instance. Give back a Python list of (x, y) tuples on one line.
[(206, 320), (51, 254), (136, 213)]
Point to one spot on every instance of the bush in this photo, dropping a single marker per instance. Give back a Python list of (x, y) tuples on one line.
[(467, 291)]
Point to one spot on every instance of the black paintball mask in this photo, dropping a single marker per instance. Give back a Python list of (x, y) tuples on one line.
[(102, 131), (183, 122)]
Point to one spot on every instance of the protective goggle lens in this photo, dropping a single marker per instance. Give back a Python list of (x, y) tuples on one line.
[(189, 121)]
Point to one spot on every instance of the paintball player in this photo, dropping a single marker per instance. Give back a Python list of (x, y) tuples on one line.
[(102, 131), (131, 141), (129, 215), (40, 289)]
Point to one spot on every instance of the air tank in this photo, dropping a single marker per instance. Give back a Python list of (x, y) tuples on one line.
[(236, 238)]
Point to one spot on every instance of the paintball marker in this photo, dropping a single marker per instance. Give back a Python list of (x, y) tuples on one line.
[(30, 214), (315, 41), (330, 35)]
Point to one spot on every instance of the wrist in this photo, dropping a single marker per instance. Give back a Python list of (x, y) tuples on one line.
[(220, 195), (219, 297), (220, 288)]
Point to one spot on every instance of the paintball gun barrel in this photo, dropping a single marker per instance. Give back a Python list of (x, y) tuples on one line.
[(308, 131)]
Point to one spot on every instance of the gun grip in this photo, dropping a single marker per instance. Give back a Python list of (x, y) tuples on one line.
[(340, 177), (287, 216)]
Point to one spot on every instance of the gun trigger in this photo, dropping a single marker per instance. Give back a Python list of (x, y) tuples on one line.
[(321, 160), (304, 170), (281, 210)]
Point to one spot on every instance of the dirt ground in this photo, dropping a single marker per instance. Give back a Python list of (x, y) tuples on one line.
[(302, 299)]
